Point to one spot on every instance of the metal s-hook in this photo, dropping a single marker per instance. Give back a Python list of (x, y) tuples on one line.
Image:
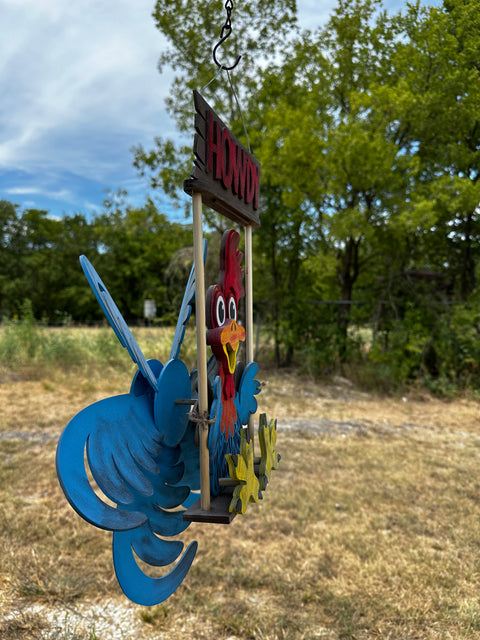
[(225, 33), (222, 66)]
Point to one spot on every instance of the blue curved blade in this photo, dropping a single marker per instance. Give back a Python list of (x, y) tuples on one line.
[(139, 587), (192, 498), (185, 309), (165, 495), (76, 485), (171, 475), (118, 425), (249, 387), (168, 456), (190, 459), (172, 419), (116, 320), (140, 384), (167, 523), (149, 548)]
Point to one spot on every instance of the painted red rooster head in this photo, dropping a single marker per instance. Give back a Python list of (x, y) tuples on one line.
[(224, 334)]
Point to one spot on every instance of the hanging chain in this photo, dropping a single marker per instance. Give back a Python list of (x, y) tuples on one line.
[(228, 22)]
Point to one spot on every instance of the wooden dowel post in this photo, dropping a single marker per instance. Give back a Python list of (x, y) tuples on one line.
[(201, 350), (249, 312)]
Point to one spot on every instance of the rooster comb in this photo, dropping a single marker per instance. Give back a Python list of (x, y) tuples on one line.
[(231, 271)]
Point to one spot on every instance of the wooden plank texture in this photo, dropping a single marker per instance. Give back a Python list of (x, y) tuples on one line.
[(217, 514), (224, 172)]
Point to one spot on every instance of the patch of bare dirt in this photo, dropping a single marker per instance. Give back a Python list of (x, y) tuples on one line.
[(301, 403)]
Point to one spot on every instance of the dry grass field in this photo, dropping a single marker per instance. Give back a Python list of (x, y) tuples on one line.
[(370, 529)]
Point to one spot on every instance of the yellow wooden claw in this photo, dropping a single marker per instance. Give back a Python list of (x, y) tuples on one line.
[(241, 468), (267, 435)]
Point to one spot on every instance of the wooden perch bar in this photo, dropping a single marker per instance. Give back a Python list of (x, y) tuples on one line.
[(228, 482), (201, 350), (249, 313)]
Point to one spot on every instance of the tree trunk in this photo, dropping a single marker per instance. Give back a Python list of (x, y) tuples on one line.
[(347, 273), (467, 275), (276, 289)]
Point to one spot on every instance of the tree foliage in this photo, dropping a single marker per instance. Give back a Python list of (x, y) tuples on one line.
[(131, 248)]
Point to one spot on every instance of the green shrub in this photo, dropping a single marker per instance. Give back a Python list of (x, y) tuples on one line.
[(26, 344), (438, 346), (21, 340), (36, 349)]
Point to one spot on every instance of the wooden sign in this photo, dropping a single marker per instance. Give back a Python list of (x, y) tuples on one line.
[(225, 173)]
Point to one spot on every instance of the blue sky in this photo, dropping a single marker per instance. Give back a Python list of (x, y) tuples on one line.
[(80, 87)]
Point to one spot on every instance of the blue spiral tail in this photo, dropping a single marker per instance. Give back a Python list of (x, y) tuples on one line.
[(135, 584)]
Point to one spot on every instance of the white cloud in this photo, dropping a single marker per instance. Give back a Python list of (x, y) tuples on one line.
[(75, 70), (21, 191), (61, 194)]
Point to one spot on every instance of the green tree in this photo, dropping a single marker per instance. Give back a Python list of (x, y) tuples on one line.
[(439, 65), (367, 131), (137, 245), (8, 260), (74, 298), (330, 142), (44, 265), (34, 243)]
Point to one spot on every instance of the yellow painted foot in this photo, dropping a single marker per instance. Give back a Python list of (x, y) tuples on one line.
[(241, 468), (267, 435)]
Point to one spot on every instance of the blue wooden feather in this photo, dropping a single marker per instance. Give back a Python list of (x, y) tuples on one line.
[(249, 387), (141, 452), (185, 309), (116, 320), (136, 585)]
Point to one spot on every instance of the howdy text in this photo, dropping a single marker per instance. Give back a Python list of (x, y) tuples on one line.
[(229, 162)]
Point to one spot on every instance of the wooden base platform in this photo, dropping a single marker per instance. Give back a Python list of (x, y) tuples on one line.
[(218, 512)]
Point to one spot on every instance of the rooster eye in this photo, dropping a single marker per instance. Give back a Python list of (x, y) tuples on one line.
[(220, 310), (232, 309)]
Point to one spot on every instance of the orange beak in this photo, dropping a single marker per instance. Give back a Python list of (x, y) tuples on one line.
[(230, 339)]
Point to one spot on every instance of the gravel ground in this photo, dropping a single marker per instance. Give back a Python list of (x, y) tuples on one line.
[(323, 426), (109, 619)]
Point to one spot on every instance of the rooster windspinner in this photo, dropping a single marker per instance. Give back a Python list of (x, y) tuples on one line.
[(140, 449)]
